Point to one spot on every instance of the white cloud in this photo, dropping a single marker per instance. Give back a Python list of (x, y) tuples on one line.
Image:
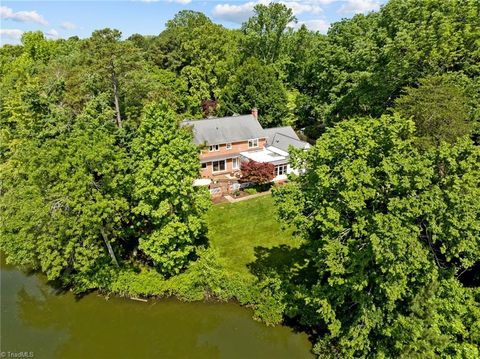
[(240, 13), (299, 8), (68, 25), (359, 6), (12, 34), (22, 16), (52, 34), (314, 25), (234, 13)]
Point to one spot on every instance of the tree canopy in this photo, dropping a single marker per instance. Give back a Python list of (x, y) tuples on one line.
[(168, 209), (96, 172), (64, 202), (265, 32), (389, 232), (363, 64), (439, 109), (255, 85), (75, 197)]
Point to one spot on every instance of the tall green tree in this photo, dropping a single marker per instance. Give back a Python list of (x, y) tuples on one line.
[(300, 46), (389, 233), (168, 209), (439, 109), (200, 52), (366, 61), (256, 85), (148, 84), (111, 59), (264, 32), (63, 189)]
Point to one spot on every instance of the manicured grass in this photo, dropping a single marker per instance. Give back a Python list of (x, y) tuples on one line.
[(235, 229)]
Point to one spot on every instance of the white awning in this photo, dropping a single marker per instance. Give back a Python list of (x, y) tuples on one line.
[(264, 155), (202, 182)]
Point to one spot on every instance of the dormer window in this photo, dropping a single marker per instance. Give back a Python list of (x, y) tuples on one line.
[(228, 146), (213, 148), (253, 143)]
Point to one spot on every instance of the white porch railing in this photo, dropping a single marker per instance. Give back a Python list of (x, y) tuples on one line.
[(238, 186), (214, 191)]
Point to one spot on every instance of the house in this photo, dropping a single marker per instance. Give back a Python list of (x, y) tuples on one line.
[(227, 141)]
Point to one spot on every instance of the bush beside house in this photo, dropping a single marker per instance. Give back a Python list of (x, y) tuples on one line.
[(257, 172)]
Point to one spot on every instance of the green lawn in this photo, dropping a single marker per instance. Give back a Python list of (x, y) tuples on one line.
[(235, 229)]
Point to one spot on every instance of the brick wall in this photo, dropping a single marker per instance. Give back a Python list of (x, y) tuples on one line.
[(208, 171), (237, 147)]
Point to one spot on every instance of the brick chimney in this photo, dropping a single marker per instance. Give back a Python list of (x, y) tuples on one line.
[(255, 113)]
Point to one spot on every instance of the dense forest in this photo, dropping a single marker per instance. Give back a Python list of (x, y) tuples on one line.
[(96, 175)]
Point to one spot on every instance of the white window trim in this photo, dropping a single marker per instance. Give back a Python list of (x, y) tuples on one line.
[(228, 146), (225, 166), (284, 170), (251, 141), (237, 160), (213, 150)]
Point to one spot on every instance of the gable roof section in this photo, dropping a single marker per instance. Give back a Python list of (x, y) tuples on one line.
[(283, 142), (285, 130), (283, 137), (225, 129)]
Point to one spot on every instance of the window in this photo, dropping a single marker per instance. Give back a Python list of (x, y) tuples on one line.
[(253, 143), (219, 166), (204, 165), (228, 146), (235, 163), (280, 170), (213, 148)]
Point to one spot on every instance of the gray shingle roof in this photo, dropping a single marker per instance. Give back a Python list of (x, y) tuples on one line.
[(225, 129), (286, 130), (282, 142), (283, 137)]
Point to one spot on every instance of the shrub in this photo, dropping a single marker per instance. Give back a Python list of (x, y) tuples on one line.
[(250, 190), (206, 278), (147, 282), (257, 172)]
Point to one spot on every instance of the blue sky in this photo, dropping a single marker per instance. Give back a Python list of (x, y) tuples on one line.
[(61, 19)]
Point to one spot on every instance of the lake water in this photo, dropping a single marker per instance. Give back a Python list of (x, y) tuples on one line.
[(38, 322)]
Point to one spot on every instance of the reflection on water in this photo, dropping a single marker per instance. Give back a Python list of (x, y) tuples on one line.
[(36, 319)]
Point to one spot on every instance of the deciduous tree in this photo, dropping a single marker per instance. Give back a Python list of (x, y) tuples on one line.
[(202, 53), (265, 31), (439, 109), (111, 59), (255, 85), (257, 172), (168, 209), (389, 234), (63, 198), (365, 62)]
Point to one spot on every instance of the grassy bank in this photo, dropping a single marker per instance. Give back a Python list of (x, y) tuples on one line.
[(239, 234), (236, 229)]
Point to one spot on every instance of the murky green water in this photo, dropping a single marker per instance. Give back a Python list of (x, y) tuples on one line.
[(50, 325)]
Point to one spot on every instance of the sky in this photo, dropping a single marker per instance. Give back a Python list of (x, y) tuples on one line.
[(62, 19)]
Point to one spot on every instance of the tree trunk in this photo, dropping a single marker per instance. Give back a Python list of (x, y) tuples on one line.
[(115, 95), (109, 246)]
